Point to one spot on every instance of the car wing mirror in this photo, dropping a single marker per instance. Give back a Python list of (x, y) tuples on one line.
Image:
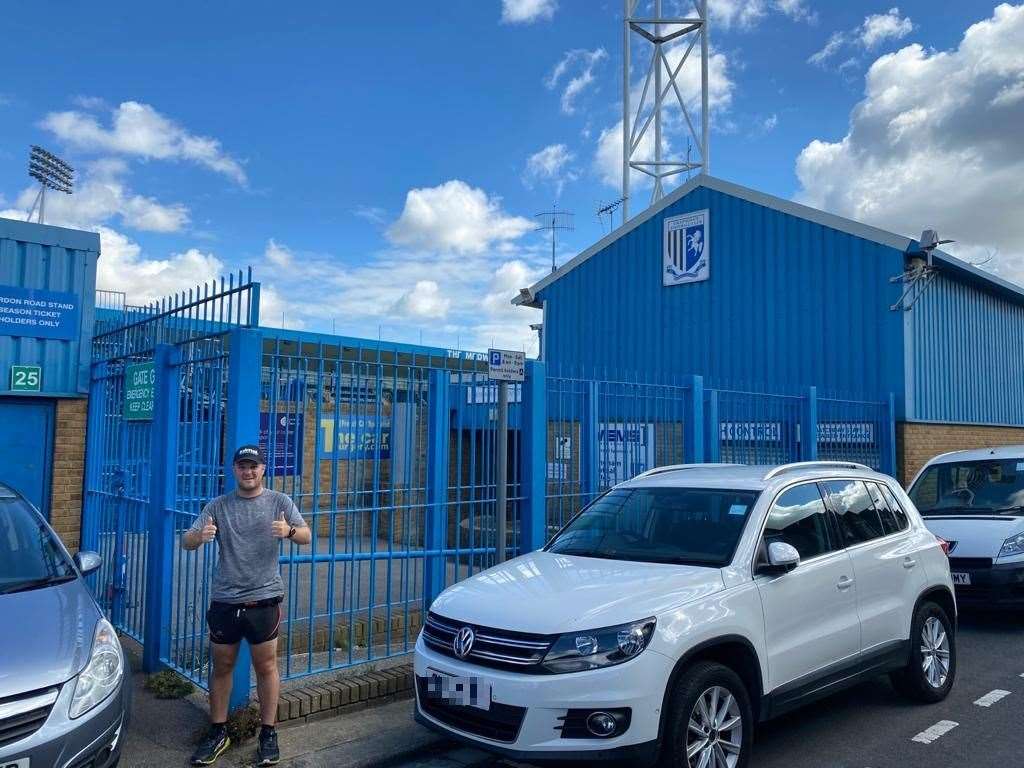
[(88, 562), (782, 557)]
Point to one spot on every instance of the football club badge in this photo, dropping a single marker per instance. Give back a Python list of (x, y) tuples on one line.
[(686, 258)]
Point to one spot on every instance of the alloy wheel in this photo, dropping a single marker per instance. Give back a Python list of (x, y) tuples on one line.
[(934, 652), (714, 736)]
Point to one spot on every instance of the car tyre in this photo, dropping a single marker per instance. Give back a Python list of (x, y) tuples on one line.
[(931, 671), (692, 730)]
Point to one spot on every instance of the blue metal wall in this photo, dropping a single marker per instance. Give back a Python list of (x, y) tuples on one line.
[(53, 259), (790, 303), (965, 349)]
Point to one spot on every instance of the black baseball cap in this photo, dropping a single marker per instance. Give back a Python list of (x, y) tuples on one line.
[(249, 453)]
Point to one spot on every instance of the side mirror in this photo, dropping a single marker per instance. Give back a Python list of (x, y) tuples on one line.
[(88, 562), (782, 557)]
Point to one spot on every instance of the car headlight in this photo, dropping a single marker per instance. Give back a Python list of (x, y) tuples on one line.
[(102, 674), (1013, 546), (593, 649)]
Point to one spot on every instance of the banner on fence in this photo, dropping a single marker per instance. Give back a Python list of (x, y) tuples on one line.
[(846, 432), (284, 456), (355, 437), (624, 451), (751, 431)]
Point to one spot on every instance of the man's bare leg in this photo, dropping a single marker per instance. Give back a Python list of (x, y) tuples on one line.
[(268, 679), (224, 657)]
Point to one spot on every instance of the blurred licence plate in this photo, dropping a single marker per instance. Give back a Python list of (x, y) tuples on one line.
[(460, 691), (961, 578), (20, 763)]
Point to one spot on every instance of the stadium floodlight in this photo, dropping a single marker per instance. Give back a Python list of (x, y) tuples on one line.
[(52, 173)]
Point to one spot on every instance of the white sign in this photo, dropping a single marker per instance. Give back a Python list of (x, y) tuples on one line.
[(751, 432), (687, 255), (846, 432), (488, 393), (557, 470), (563, 448), (624, 451), (503, 365)]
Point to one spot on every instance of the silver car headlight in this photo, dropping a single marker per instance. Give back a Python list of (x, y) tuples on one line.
[(1013, 546), (596, 648), (102, 674)]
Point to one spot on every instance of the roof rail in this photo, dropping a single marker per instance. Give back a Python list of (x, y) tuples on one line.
[(675, 467), (784, 468)]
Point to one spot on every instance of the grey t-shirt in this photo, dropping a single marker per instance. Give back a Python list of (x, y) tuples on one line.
[(247, 568)]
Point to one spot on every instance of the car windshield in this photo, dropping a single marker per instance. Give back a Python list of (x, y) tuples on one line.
[(993, 486), (698, 526), (29, 555)]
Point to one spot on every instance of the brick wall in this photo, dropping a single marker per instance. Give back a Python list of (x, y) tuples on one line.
[(917, 443), (68, 470)]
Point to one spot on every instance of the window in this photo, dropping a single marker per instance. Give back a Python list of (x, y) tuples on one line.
[(28, 552), (858, 518), (699, 526), (992, 486), (894, 506), (885, 514), (799, 519)]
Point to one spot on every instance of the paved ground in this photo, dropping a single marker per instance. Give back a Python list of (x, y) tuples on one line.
[(866, 727)]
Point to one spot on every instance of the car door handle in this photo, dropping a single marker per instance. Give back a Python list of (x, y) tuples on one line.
[(909, 562), (844, 584)]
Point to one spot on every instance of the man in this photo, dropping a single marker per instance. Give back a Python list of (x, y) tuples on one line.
[(248, 525)]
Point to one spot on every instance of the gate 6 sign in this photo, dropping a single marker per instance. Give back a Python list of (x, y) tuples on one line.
[(687, 254)]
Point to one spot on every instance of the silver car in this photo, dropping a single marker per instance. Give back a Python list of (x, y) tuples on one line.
[(64, 692)]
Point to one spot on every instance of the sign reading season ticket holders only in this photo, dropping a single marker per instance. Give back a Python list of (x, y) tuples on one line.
[(504, 365), (139, 391)]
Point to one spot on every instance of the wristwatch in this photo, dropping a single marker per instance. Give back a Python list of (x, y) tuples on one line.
[(291, 532)]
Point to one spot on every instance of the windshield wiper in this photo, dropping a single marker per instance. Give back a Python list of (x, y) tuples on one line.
[(1007, 510), (25, 586)]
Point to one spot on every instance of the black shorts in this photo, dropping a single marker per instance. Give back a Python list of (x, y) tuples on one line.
[(256, 622)]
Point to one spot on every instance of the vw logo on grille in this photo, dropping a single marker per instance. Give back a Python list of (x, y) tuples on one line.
[(462, 644)]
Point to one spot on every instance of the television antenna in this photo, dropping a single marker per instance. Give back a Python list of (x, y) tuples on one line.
[(52, 173), (920, 271), (662, 33), (555, 220), (608, 209)]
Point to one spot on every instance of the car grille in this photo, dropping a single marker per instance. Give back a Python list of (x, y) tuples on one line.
[(969, 563), (499, 723), (498, 648), (23, 715)]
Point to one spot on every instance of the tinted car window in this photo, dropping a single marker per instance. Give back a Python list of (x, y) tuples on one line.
[(659, 525), (799, 518), (28, 552), (858, 519), (885, 514), (894, 506), (970, 487)]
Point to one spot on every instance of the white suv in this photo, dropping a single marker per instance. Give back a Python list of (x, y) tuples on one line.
[(685, 605)]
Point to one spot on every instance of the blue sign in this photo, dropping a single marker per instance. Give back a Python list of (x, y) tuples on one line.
[(38, 314), (355, 437), (284, 456), (687, 252)]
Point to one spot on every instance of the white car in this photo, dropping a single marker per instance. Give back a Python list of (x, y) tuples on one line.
[(682, 607), (975, 501)]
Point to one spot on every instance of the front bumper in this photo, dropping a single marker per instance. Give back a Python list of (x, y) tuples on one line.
[(998, 586), (90, 741), (539, 701)]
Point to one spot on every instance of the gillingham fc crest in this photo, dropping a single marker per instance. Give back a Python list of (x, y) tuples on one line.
[(686, 257)]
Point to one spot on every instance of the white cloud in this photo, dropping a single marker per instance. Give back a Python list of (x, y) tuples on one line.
[(797, 9), (883, 26), (139, 130), (936, 142), (278, 255), (101, 194), (835, 42), (550, 165), (583, 62), (454, 217), (122, 267), (370, 213), (92, 103), (527, 11), (423, 301), (746, 14)]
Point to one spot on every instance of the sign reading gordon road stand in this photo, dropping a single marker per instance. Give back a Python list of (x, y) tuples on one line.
[(39, 314), (26, 378), (503, 365), (139, 391)]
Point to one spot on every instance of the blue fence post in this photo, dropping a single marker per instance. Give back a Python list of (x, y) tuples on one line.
[(714, 438), (809, 427), (693, 433), (163, 477), (589, 448), (245, 363), (889, 460), (436, 513), (95, 433), (535, 455)]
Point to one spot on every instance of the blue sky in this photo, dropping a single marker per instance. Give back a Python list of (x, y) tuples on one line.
[(375, 165)]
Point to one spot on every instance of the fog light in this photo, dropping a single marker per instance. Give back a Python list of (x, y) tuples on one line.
[(601, 724)]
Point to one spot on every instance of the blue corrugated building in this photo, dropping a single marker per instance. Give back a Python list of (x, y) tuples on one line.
[(47, 295), (789, 297)]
